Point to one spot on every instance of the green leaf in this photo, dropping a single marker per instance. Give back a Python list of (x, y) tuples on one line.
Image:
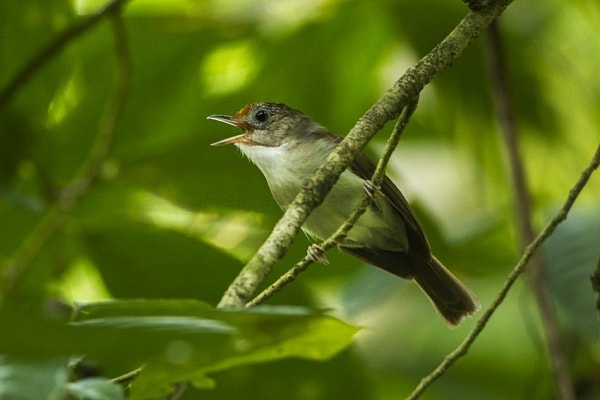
[(28, 380), (95, 389), (570, 256), (174, 340)]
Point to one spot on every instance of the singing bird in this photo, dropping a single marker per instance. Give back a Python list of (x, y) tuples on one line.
[(288, 146)]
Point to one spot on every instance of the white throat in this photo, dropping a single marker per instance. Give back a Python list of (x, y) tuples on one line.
[(285, 167)]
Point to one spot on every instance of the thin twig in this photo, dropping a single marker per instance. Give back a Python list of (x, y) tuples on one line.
[(128, 376), (385, 109), (342, 231), (530, 250), (54, 47), (18, 265)]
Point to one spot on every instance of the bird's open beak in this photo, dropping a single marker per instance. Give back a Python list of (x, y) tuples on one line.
[(230, 140), (229, 120)]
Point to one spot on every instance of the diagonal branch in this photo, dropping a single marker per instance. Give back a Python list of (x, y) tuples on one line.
[(21, 260), (529, 252), (343, 230), (54, 47), (385, 109)]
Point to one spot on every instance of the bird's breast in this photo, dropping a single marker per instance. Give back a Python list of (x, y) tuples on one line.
[(287, 171)]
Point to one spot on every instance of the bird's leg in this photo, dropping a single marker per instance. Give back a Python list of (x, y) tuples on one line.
[(317, 254)]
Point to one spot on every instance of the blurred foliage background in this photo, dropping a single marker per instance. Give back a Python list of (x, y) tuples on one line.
[(173, 218)]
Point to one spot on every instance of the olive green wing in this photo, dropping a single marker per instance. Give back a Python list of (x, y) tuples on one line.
[(364, 167)]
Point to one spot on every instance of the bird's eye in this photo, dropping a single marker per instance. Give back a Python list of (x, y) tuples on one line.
[(261, 115)]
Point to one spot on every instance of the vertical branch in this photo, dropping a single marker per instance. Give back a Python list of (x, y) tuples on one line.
[(538, 281), (22, 259)]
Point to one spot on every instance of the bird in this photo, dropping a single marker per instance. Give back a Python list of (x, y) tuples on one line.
[(288, 147)]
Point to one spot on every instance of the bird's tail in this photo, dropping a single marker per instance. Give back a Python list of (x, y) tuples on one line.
[(451, 297)]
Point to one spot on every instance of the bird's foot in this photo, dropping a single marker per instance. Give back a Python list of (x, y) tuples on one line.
[(317, 254), (371, 189)]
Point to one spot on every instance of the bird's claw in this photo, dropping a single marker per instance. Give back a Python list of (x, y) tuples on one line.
[(316, 254), (370, 188)]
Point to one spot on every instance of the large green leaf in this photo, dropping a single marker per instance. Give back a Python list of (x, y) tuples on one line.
[(32, 380), (570, 257), (173, 341)]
